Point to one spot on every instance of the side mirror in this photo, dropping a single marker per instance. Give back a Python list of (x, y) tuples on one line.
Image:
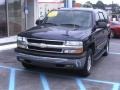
[(39, 22), (101, 24)]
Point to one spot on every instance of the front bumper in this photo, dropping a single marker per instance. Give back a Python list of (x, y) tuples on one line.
[(55, 62)]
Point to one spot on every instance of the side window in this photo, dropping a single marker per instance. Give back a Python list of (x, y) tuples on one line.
[(97, 17), (101, 16), (106, 17)]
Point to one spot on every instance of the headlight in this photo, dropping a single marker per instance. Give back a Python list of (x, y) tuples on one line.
[(19, 38), (21, 42), (74, 44)]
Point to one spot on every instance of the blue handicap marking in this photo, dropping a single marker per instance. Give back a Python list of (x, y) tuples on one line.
[(45, 84), (80, 84), (12, 79), (116, 86), (44, 81)]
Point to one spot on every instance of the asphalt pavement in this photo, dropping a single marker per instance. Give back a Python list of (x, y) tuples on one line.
[(105, 74)]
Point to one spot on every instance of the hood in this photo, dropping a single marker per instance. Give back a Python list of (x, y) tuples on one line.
[(57, 33)]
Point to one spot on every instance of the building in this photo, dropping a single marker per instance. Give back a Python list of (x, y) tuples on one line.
[(19, 15), (11, 17)]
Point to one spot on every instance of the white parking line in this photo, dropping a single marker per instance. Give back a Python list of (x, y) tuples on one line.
[(116, 53), (114, 43), (7, 47)]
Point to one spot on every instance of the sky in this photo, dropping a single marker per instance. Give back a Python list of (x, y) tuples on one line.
[(104, 1), (83, 1), (2, 2)]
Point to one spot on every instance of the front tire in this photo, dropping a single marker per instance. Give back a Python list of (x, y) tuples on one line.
[(88, 65)]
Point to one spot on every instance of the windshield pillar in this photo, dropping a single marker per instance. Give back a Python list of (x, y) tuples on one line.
[(68, 3)]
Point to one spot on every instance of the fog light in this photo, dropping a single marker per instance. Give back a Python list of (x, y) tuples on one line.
[(77, 51)]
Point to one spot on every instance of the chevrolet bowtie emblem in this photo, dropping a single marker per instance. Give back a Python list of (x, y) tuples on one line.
[(42, 45)]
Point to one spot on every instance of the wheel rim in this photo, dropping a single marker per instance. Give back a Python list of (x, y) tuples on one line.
[(89, 64), (107, 48)]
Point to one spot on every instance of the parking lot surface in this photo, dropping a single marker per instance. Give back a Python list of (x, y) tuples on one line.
[(105, 74)]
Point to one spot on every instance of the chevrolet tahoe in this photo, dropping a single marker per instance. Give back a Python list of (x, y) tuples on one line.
[(66, 38)]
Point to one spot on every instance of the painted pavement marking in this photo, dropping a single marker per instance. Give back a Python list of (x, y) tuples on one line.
[(12, 79), (45, 83)]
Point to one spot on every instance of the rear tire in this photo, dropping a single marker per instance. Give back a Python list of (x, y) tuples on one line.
[(112, 34), (27, 66), (106, 50), (88, 65)]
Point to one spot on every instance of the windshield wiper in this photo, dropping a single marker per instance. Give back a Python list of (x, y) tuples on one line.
[(75, 25), (51, 24)]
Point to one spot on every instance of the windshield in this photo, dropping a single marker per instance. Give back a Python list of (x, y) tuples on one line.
[(80, 18)]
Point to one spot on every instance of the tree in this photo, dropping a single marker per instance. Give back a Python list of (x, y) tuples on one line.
[(100, 5), (115, 8), (88, 4)]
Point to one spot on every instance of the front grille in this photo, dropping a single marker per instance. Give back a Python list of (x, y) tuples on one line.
[(44, 49), (50, 42), (45, 41)]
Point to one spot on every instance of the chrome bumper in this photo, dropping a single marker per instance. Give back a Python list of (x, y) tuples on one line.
[(31, 59)]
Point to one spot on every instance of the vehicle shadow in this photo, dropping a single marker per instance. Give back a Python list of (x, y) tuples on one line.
[(57, 71)]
